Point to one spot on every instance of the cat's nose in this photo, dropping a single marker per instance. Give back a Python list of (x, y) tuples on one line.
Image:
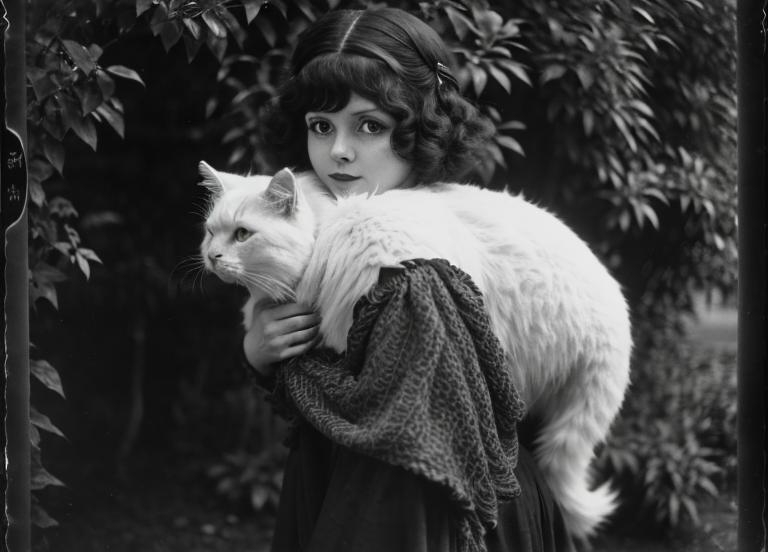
[(213, 257)]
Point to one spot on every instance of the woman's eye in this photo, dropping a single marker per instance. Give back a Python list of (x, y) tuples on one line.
[(372, 127), (242, 234), (320, 127)]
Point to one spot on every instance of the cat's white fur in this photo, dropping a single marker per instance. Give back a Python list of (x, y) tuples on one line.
[(560, 316)]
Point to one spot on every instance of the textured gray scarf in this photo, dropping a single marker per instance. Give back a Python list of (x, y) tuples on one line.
[(422, 386)]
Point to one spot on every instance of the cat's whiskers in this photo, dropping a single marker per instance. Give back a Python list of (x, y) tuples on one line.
[(270, 285), (191, 265), (201, 208)]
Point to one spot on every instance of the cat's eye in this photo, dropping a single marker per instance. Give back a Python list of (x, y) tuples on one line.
[(242, 234)]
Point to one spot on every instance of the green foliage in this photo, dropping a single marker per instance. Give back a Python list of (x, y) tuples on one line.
[(252, 480), (639, 101), (676, 440)]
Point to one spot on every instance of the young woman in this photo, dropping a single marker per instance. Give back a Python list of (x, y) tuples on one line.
[(372, 105)]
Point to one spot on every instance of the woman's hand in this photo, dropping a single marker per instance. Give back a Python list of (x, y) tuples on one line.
[(278, 333)]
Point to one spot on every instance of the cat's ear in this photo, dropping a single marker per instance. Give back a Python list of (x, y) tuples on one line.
[(283, 192), (211, 178)]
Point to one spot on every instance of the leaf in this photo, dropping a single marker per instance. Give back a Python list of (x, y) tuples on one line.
[(306, 9), (54, 152), (170, 33), (674, 509), (642, 107), (80, 55), (259, 497), (89, 254), (86, 131), (479, 78), (281, 7), (512, 125), (500, 77), (234, 27), (117, 104), (708, 486), (217, 46), (644, 14), (34, 436), (48, 375), (622, 126), (650, 214), (43, 422), (267, 31), (93, 92), (61, 207), (516, 69), (497, 156), (588, 120), (193, 27), (624, 222), (511, 144), (214, 24), (43, 290), (39, 171), (690, 507), (648, 127), (192, 46), (461, 24), (40, 517), (586, 77), (159, 18), (252, 9), (552, 72), (95, 51), (42, 478), (114, 118), (82, 262), (44, 87), (126, 73), (488, 22), (142, 6)]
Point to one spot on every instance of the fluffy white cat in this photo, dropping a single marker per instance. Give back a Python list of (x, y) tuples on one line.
[(560, 316)]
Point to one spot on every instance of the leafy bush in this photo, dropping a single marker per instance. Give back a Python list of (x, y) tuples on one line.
[(251, 480), (675, 442)]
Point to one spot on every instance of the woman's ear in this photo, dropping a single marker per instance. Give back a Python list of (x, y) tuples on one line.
[(283, 192), (211, 178)]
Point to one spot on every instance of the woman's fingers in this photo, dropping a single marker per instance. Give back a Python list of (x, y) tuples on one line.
[(288, 326), (300, 349), (290, 310), (298, 338)]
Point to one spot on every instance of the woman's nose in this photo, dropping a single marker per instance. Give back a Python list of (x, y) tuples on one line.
[(342, 150)]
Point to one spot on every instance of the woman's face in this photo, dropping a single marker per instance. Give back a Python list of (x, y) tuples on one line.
[(351, 152)]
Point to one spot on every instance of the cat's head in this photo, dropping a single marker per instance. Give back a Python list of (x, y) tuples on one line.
[(259, 231)]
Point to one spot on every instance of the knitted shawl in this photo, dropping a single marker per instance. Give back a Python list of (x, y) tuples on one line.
[(422, 386)]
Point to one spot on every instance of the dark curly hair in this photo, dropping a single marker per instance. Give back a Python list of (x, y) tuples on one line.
[(395, 60)]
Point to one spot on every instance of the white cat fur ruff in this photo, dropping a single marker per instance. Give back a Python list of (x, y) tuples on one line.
[(560, 316)]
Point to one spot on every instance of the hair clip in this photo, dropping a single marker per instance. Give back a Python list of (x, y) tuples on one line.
[(442, 70)]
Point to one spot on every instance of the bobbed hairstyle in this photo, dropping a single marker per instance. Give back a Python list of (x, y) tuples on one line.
[(395, 60)]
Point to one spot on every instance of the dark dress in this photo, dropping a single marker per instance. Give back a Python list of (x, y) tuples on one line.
[(334, 500), (361, 476)]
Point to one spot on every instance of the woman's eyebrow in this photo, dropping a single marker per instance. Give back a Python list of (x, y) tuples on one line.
[(364, 111)]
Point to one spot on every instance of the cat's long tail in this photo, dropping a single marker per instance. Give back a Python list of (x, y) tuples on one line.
[(564, 448)]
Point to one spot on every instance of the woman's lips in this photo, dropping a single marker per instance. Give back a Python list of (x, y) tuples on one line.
[(342, 177)]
